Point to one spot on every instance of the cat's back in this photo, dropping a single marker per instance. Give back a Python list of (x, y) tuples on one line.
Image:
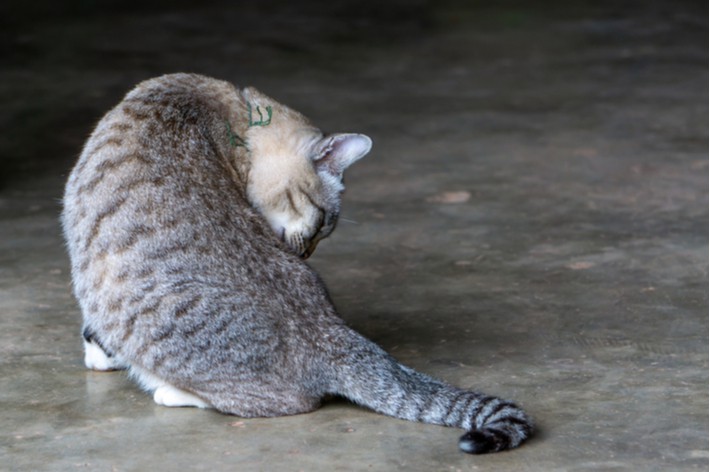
[(159, 126), (152, 184), (156, 144)]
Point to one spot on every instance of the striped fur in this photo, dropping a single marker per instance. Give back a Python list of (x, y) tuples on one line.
[(187, 228)]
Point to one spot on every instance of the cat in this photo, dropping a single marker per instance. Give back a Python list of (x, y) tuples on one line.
[(187, 218)]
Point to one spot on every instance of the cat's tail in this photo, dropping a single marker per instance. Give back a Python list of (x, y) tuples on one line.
[(367, 375)]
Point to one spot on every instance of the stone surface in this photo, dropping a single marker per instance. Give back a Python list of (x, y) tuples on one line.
[(532, 222)]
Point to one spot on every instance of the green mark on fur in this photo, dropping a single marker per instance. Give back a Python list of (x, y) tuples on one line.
[(234, 139), (262, 121)]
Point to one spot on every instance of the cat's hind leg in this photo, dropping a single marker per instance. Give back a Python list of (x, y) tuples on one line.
[(96, 357), (165, 394), (261, 399)]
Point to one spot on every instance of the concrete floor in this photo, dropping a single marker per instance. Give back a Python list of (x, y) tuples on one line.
[(532, 222)]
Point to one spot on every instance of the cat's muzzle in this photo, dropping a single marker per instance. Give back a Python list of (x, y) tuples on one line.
[(302, 247)]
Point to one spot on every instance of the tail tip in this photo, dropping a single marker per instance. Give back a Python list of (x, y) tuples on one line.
[(483, 441), (478, 442)]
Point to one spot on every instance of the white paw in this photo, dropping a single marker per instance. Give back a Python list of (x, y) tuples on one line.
[(95, 358), (167, 395)]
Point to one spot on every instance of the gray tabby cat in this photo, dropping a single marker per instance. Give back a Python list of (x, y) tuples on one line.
[(187, 219)]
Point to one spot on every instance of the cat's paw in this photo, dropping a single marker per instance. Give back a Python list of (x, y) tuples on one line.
[(167, 395), (96, 359)]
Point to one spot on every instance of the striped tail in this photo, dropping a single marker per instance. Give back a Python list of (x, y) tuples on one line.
[(367, 375)]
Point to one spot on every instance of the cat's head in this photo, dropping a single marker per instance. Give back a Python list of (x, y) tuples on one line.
[(296, 173)]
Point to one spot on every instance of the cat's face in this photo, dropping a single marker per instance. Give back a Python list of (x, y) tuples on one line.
[(296, 174)]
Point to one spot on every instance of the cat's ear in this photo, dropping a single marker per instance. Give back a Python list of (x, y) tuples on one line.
[(337, 152)]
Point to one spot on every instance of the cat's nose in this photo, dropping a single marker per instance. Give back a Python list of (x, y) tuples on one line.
[(310, 249)]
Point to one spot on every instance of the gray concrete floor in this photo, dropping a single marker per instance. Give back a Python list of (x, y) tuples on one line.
[(532, 222)]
